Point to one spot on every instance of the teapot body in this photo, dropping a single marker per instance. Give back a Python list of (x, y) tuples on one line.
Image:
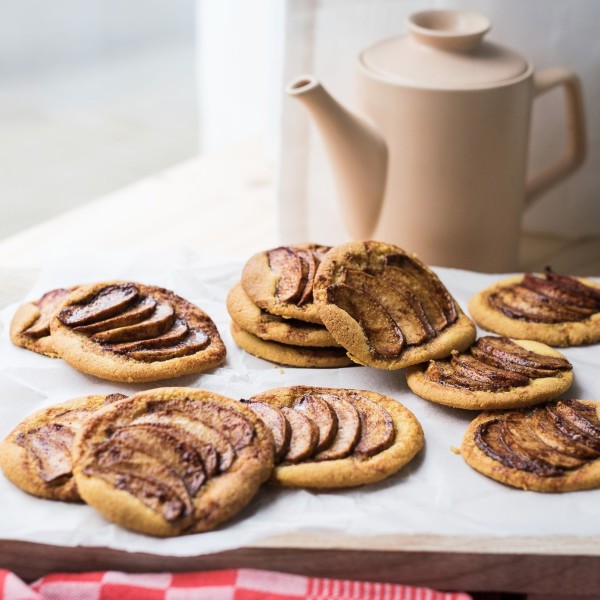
[(455, 184)]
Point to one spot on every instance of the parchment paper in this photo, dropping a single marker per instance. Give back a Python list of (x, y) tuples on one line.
[(436, 494)]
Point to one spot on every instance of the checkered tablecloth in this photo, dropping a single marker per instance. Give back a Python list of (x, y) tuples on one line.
[(242, 584)]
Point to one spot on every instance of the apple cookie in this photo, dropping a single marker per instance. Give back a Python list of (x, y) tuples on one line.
[(171, 461), (495, 373), (285, 354), (30, 325), (125, 331), (552, 448), (280, 281), (336, 438), (36, 455), (557, 310), (387, 308), (249, 317)]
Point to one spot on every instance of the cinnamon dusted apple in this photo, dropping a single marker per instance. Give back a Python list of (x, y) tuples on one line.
[(386, 307), (558, 310), (552, 448), (126, 331), (30, 325), (339, 437), (495, 373), (280, 281), (172, 460), (36, 455)]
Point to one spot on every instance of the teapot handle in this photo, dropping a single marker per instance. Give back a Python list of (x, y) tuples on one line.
[(575, 151)]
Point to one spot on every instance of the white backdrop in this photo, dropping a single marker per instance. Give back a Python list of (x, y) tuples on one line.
[(323, 37)]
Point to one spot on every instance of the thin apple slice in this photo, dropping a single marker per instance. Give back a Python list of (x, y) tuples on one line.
[(321, 414), (304, 436), (48, 304), (275, 421), (106, 303), (348, 429), (376, 427), (292, 271)]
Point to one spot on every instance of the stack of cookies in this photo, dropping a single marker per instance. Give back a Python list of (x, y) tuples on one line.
[(273, 313), (368, 303)]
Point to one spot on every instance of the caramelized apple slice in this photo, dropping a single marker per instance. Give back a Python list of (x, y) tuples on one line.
[(292, 271), (273, 418), (106, 303), (321, 414), (176, 334), (304, 436), (376, 427), (348, 429), (194, 342), (468, 366)]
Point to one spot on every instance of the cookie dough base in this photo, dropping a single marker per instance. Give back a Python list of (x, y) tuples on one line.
[(569, 333), (293, 356), (537, 391), (351, 471), (272, 327), (584, 478)]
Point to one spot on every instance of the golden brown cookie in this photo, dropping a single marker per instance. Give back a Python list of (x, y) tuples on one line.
[(495, 373), (171, 461), (552, 448), (36, 455), (293, 356), (336, 438), (271, 327), (30, 325), (280, 280), (125, 331), (557, 310), (387, 308)]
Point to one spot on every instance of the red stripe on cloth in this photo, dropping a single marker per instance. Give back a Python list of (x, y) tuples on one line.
[(91, 577), (339, 589), (207, 578), (112, 591)]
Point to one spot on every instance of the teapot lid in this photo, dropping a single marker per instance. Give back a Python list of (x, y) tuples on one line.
[(444, 49)]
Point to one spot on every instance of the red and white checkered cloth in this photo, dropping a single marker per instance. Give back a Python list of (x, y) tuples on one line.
[(241, 584)]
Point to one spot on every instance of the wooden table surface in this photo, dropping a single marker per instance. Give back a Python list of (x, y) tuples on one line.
[(225, 205)]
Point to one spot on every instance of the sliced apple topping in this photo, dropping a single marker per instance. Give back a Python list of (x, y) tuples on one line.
[(550, 299), (48, 304), (494, 364), (538, 441), (141, 323)]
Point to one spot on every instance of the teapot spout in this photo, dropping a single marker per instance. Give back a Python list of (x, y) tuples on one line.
[(357, 151)]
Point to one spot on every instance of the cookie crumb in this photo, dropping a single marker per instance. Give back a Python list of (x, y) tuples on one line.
[(454, 450)]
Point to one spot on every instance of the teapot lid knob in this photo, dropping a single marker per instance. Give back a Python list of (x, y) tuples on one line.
[(448, 29)]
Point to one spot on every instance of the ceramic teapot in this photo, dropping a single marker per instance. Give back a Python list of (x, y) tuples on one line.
[(436, 162)]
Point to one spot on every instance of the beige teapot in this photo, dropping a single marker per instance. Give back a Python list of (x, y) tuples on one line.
[(436, 162)]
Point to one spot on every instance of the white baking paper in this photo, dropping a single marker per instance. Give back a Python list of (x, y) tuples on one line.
[(436, 494)]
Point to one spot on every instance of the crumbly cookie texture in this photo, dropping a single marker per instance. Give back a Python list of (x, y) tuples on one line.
[(387, 308), (280, 280), (30, 325), (124, 331), (266, 326), (36, 455), (172, 461), (494, 374), (337, 438), (293, 356), (551, 448), (553, 309)]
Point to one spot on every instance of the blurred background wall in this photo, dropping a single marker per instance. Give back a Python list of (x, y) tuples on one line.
[(93, 95)]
